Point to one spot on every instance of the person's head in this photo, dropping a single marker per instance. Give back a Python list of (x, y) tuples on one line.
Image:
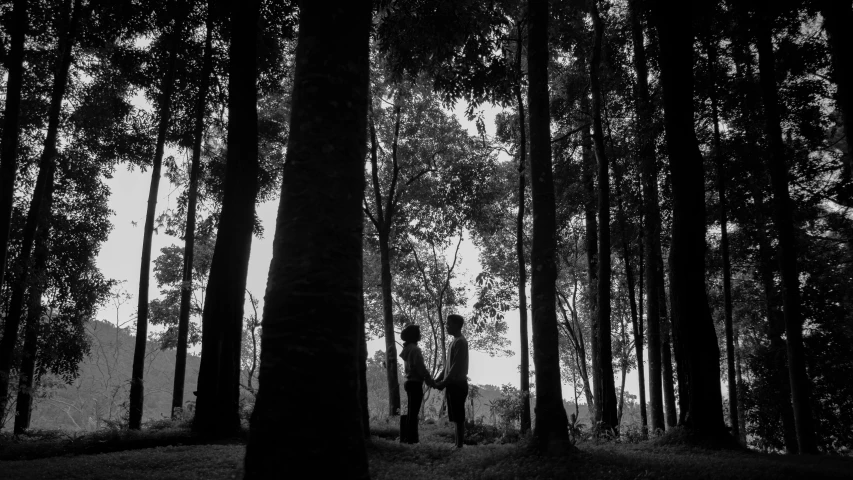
[(411, 334), (454, 324)]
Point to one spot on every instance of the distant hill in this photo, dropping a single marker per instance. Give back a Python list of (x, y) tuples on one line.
[(99, 395)]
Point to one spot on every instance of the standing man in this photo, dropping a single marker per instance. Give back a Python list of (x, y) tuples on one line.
[(455, 376)]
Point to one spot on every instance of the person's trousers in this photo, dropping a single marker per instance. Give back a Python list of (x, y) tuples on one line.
[(415, 394)]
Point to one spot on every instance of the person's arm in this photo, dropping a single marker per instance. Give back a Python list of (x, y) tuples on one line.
[(420, 367)]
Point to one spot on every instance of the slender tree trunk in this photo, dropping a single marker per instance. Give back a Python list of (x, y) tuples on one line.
[(26, 376), (690, 311), (9, 140), (629, 278), (606, 400), (217, 410), (519, 244), (588, 178), (652, 231), (189, 232), (740, 392), (837, 20), (362, 374), (313, 300), (711, 49), (551, 429), (44, 184), (137, 387), (667, 374), (783, 219)]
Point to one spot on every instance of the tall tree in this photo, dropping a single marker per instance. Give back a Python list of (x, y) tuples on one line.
[(783, 219), (690, 311), (39, 206), (14, 65), (312, 309), (519, 235), (383, 221), (217, 410), (719, 158), (551, 429), (591, 229), (605, 389), (652, 224), (137, 390), (189, 231)]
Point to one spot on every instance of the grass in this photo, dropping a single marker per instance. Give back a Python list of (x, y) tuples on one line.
[(432, 459)]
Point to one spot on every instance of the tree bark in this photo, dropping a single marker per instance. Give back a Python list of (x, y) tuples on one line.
[(670, 412), (137, 388), (591, 226), (37, 211), (837, 19), (189, 231), (519, 243), (551, 428), (716, 153), (784, 222), (217, 410), (690, 311), (9, 140), (314, 291), (606, 391), (652, 225)]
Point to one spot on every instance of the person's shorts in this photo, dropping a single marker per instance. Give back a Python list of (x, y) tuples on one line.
[(456, 395)]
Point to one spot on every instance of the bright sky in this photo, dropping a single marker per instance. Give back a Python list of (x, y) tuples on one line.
[(120, 256)]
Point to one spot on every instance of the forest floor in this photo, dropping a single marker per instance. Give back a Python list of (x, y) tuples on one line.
[(176, 454)]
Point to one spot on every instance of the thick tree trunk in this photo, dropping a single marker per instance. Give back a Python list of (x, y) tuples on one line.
[(391, 366), (716, 153), (606, 391), (652, 225), (9, 141), (312, 306), (519, 244), (591, 227), (837, 20), (37, 211), (691, 314), (189, 231), (217, 410), (551, 429), (783, 219)]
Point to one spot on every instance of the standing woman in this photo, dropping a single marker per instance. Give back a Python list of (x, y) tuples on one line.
[(416, 374)]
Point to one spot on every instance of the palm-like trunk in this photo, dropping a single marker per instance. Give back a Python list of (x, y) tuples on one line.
[(652, 225), (312, 310), (519, 242), (551, 429), (189, 231), (690, 311), (39, 208), (783, 219), (711, 49), (606, 390), (137, 390), (217, 406), (10, 135)]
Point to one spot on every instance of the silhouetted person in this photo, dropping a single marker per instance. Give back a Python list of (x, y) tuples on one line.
[(455, 376), (416, 374)]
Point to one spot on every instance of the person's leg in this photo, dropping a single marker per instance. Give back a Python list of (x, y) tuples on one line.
[(460, 433), (416, 397)]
